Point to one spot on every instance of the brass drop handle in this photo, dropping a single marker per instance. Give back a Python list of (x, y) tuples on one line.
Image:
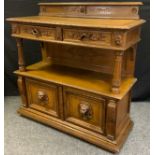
[(42, 96), (35, 32), (85, 110)]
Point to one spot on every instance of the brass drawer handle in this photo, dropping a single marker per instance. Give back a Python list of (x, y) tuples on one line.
[(42, 96), (35, 32), (85, 110)]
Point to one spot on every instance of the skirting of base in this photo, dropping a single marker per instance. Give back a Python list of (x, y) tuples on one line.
[(89, 136)]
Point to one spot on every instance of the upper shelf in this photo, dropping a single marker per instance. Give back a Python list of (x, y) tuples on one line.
[(97, 83)]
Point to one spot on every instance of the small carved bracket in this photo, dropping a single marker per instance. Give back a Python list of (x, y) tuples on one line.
[(118, 38)]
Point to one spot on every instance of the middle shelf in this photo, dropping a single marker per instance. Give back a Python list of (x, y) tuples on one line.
[(89, 81)]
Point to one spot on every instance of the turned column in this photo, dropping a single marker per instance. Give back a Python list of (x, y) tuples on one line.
[(116, 81), (21, 62)]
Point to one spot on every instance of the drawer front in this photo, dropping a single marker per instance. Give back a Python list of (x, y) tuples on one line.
[(85, 110), (33, 31), (87, 36), (43, 97)]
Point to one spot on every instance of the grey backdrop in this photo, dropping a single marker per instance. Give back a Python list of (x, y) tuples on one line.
[(32, 53)]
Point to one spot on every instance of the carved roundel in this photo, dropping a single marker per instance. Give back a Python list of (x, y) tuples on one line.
[(135, 10)]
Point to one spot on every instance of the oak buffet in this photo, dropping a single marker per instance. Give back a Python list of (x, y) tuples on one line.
[(83, 83)]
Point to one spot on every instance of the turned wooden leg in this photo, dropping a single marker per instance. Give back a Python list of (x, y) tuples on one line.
[(21, 62), (116, 81)]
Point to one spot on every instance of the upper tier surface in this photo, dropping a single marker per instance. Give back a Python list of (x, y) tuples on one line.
[(80, 22)]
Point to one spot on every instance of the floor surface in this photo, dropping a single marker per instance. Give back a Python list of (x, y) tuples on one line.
[(26, 137)]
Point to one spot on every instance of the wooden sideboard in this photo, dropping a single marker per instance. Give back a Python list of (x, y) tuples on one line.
[(83, 83)]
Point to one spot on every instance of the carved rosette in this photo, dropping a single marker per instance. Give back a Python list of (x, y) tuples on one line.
[(134, 10)]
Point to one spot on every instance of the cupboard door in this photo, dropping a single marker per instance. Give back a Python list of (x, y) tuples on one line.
[(43, 97), (84, 109)]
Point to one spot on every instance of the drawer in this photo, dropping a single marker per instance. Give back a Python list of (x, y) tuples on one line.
[(87, 36), (34, 31), (43, 97), (84, 109)]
